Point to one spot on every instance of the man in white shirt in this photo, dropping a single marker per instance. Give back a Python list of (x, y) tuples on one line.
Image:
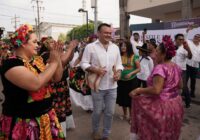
[(182, 54), (193, 64), (103, 58), (135, 41)]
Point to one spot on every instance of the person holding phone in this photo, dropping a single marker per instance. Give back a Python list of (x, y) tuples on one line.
[(135, 41), (193, 63), (183, 53)]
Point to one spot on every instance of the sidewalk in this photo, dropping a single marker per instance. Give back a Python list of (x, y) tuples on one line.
[(196, 100), (121, 129)]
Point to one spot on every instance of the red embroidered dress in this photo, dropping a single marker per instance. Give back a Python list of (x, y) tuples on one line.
[(26, 114)]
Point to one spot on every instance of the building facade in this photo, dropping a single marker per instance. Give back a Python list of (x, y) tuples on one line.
[(157, 10), (164, 10), (54, 29)]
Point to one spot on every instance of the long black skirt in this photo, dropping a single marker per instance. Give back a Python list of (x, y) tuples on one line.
[(123, 90)]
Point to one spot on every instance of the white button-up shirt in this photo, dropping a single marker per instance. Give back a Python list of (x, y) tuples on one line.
[(96, 55), (194, 62), (146, 68), (180, 57)]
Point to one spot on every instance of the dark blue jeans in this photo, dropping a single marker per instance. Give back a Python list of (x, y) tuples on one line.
[(185, 90), (191, 73)]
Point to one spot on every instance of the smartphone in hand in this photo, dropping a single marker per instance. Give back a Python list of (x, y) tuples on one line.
[(145, 30)]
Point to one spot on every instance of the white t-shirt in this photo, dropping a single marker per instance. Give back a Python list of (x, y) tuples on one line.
[(194, 62), (146, 66), (180, 57)]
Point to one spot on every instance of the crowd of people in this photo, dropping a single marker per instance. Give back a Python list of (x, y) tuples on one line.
[(146, 79)]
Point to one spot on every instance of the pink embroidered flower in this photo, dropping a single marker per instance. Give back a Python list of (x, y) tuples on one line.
[(169, 46)]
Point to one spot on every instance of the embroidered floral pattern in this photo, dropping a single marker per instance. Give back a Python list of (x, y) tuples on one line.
[(61, 98), (46, 127), (78, 82), (44, 92)]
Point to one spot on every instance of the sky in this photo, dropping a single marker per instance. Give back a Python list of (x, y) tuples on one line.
[(60, 11)]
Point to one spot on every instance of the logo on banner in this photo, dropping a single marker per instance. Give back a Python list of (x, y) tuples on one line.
[(181, 24)]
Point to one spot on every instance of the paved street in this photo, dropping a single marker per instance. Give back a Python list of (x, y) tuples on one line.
[(120, 130)]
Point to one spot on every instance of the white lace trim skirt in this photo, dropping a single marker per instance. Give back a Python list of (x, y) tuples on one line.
[(85, 102)]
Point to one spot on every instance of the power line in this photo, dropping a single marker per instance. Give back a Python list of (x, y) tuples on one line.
[(9, 16), (51, 14), (5, 15), (60, 14), (32, 19), (46, 17), (21, 8), (29, 10)]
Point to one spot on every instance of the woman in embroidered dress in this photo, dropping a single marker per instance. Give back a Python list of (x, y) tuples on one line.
[(157, 110), (27, 110), (79, 90), (128, 80), (60, 94)]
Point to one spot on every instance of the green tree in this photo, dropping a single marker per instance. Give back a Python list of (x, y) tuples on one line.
[(62, 37), (80, 32)]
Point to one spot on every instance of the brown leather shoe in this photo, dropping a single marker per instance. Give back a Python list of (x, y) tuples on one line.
[(96, 136)]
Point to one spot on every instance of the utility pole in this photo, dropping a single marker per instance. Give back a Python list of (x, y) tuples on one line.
[(84, 14), (15, 20), (36, 26), (85, 11), (39, 8), (94, 5), (124, 19), (95, 17)]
